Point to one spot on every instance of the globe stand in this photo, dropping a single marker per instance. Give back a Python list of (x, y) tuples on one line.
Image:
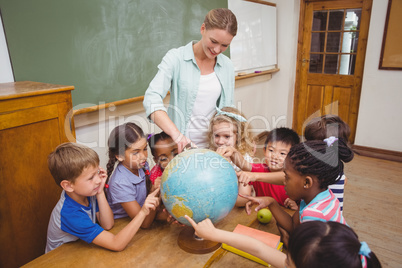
[(191, 243)]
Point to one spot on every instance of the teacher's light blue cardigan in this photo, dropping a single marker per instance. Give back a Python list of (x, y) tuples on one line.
[(178, 73)]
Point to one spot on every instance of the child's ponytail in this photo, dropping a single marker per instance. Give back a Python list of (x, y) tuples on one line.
[(147, 178), (345, 153), (367, 257), (110, 165)]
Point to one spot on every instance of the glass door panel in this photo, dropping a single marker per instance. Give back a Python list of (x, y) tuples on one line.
[(334, 40)]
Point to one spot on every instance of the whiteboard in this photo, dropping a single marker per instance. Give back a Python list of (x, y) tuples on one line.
[(254, 47), (6, 73)]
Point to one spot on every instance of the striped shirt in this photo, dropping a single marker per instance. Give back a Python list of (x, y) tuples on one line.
[(338, 188), (324, 207)]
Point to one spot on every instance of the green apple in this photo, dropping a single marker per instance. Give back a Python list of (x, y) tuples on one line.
[(264, 215)]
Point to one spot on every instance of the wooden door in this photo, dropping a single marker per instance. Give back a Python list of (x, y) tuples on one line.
[(331, 51)]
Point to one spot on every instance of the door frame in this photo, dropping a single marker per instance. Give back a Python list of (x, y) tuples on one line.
[(359, 69)]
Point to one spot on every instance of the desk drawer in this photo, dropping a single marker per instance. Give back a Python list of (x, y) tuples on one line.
[(28, 116)]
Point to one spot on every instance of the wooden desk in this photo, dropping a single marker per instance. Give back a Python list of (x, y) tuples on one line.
[(154, 247), (34, 118)]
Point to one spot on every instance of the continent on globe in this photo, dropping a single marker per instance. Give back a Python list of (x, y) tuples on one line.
[(181, 210)]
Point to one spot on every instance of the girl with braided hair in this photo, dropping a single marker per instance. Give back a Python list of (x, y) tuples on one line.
[(128, 186), (309, 168)]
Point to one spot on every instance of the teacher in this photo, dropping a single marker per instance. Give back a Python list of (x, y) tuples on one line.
[(199, 78)]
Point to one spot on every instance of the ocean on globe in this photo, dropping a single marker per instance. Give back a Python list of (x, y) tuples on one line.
[(199, 183)]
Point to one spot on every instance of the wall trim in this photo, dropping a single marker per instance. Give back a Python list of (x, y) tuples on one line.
[(378, 153)]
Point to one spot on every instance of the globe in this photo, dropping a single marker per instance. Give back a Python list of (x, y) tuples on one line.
[(199, 183)]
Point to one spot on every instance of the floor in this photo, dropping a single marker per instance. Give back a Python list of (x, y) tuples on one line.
[(373, 206)]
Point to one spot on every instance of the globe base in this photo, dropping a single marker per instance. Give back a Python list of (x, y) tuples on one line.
[(191, 243)]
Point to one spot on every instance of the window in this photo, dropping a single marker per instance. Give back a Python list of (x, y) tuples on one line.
[(334, 39)]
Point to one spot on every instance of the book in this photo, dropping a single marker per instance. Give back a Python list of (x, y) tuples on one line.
[(271, 240)]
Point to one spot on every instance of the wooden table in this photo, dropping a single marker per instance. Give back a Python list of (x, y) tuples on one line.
[(154, 247)]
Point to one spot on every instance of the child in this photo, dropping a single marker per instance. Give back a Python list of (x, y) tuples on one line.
[(228, 127), (312, 244), (309, 168), (277, 145), (323, 127), (76, 169), (163, 150), (129, 183)]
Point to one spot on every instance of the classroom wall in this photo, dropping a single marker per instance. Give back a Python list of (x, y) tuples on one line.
[(380, 112), (269, 103)]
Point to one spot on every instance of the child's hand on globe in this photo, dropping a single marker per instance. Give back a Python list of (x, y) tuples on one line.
[(151, 202), (204, 229)]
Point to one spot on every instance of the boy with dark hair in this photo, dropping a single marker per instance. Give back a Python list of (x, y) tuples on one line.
[(267, 178)]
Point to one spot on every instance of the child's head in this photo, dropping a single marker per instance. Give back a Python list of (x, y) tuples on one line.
[(128, 145), (229, 127), (315, 161), (69, 160), (326, 126), (328, 244), (163, 148), (277, 146)]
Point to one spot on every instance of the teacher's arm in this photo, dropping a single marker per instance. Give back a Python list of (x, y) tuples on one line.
[(163, 121), (157, 91)]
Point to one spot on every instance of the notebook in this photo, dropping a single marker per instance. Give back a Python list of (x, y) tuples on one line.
[(271, 240)]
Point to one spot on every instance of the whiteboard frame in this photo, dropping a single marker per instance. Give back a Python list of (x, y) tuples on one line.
[(6, 70), (255, 46)]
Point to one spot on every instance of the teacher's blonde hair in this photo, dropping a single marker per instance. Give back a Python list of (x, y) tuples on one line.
[(221, 18)]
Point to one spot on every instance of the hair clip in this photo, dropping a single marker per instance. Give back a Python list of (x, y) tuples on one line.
[(106, 185), (364, 253), (150, 135), (364, 249), (232, 115), (147, 172), (330, 140)]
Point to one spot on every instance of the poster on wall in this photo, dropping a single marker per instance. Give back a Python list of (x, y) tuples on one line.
[(391, 51)]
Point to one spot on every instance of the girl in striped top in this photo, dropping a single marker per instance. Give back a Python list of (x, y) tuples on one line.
[(309, 168)]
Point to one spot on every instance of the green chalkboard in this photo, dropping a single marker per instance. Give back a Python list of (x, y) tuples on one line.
[(108, 49)]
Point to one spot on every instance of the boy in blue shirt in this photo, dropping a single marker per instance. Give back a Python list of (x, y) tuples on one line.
[(83, 203)]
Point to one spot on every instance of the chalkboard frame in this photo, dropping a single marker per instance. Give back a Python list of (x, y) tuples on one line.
[(74, 42)]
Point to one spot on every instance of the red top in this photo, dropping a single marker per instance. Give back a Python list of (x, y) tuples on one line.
[(156, 172), (267, 189)]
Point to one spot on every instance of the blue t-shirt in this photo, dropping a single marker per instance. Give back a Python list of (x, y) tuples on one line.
[(124, 186), (71, 221)]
